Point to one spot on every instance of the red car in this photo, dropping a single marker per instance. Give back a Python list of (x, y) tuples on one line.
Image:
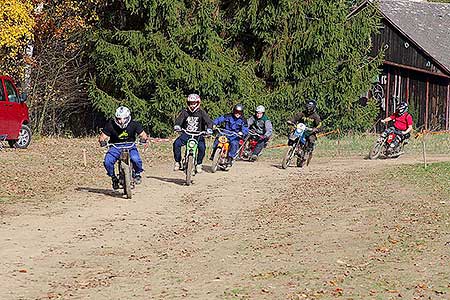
[(14, 118)]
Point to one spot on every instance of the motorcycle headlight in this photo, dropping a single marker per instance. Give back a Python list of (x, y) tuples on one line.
[(191, 144), (223, 139)]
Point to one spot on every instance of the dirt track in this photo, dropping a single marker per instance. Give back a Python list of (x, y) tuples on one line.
[(245, 234)]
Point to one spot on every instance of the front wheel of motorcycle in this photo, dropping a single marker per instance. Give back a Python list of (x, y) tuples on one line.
[(376, 149), (189, 169), (288, 157), (215, 162)]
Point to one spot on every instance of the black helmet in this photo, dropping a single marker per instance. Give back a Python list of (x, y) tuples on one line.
[(239, 109), (310, 106), (402, 108)]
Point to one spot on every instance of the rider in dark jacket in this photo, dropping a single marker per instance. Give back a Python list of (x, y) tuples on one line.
[(261, 124), (311, 119)]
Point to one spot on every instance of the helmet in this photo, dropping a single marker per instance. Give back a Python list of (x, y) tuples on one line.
[(193, 102), (311, 106), (123, 117), (238, 109), (260, 109), (402, 108)]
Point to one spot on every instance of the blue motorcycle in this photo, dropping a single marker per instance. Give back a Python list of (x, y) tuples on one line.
[(298, 147)]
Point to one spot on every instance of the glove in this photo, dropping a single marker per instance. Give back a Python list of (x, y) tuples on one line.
[(315, 130), (209, 131), (240, 134), (383, 121), (103, 143), (214, 127), (177, 128), (290, 123)]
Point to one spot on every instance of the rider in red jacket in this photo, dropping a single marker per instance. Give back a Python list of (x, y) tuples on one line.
[(403, 123)]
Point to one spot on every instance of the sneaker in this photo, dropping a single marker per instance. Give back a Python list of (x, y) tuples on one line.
[(253, 157), (115, 183), (137, 179), (176, 166), (199, 168)]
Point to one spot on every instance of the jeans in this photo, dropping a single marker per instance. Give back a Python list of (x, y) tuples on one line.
[(261, 144), (113, 155), (182, 140)]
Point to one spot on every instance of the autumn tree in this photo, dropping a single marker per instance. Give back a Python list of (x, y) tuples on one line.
[(59, 102), (16, 31)]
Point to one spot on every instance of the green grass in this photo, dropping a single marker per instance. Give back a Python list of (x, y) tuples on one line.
[(435, 176)]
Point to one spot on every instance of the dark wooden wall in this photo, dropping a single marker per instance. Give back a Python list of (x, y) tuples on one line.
[(427, 96), (409, 74), (401, 51)]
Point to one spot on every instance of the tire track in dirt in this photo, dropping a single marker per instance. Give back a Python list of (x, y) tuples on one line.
[(232, 234)]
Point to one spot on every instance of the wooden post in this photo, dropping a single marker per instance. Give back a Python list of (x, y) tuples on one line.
[(339, 142), (84, 158), (424, 149)]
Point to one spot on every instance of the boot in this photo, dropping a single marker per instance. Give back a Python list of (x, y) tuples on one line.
[(115, 182)]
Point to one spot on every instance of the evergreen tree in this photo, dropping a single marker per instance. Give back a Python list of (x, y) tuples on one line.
[(310, 49), (163, 51), (149, 54)]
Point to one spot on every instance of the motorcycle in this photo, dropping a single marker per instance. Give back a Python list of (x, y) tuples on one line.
[(189, 162), (383, 145), (248, 145), (299, 147), (125, 167), (220, 159)]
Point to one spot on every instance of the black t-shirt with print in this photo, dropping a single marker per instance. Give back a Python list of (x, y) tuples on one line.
[(122, 135), (194, 121)]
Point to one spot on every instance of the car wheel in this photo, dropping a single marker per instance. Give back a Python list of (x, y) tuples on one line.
[(24, 138)]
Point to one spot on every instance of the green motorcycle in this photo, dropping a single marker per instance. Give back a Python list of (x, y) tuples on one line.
[(189, 162)]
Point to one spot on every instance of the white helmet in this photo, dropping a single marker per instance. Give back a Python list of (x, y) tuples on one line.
[(123, 117), (260, 108), (193, 102)]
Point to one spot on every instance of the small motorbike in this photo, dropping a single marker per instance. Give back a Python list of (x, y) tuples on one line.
[(125, 167), (299, 147), (189, 162), (382, 145), (248, 145), (221, 160)]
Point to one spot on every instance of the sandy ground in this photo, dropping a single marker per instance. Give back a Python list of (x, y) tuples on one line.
[(335, 229)]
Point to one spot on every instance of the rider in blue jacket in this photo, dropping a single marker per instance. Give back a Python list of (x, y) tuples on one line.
[(234, 122)]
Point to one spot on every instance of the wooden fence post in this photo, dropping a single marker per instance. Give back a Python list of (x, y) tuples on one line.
[(424, 149)]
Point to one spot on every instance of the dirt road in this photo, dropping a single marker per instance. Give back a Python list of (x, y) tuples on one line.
[(255, 232)]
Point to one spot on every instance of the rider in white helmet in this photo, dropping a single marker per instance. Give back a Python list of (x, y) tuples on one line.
[(193, 119), (261, 124), (122, 130)]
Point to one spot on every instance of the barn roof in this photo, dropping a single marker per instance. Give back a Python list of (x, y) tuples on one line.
[(426, 23)]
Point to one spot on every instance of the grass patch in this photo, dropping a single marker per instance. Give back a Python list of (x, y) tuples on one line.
[(435, 176)]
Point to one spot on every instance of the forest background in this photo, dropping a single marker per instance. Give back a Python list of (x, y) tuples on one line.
[(79, 60)]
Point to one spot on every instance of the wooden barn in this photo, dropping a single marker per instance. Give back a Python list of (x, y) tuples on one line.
[(415, 36)]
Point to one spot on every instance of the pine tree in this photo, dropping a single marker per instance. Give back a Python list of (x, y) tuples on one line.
[(149, 54)]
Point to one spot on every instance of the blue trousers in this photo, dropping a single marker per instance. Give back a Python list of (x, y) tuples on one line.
[(113, 155), (182, 140), (234, 145)]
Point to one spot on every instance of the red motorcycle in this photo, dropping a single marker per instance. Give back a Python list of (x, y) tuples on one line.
[(247, 146), (383, 145)]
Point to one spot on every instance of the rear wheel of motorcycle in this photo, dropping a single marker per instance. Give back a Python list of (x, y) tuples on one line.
[(189, 169), (288, 157), (376, 149), (215, 162), (127, 180)]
